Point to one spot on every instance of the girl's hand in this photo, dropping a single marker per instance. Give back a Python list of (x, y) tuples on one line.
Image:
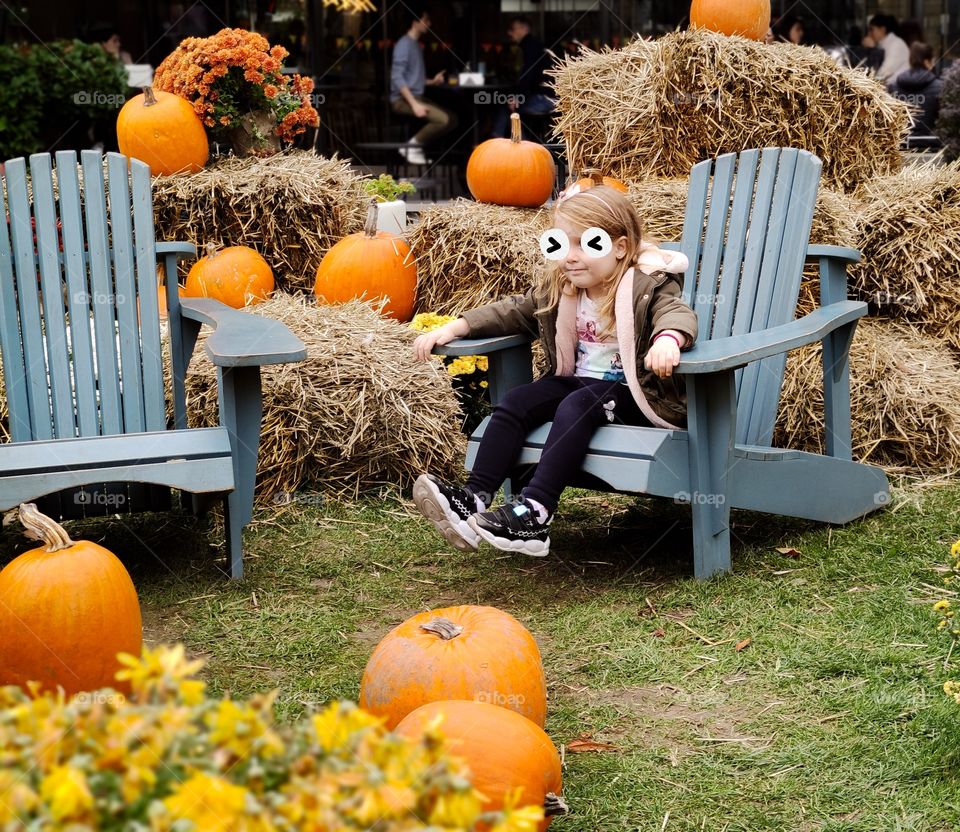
[(425, 343), (664, 355)]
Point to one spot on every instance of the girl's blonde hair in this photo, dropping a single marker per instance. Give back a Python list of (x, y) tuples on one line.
[(606, 208)]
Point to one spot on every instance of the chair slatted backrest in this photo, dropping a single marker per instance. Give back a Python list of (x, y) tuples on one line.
[(746, 232), (79, 319)]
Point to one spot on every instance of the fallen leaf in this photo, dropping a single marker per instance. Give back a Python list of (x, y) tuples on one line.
[(742, 645), (584, 744), (659, 632), (789, 551)]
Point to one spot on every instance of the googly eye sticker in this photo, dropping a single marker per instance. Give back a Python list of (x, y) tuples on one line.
[(596, 242), (555, 244)]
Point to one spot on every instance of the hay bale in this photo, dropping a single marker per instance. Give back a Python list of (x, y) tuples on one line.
[(291, 207), (905, 400), (357, 414), (469, 253), (909, 234), (655, 108)]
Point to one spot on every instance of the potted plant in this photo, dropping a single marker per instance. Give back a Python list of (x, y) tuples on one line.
[(391, 210)]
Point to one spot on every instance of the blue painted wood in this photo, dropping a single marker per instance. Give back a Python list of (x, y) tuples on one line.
[(11, 348), (694, 215), (54, 333), (851, 255), (481, 346), (184, 331), (125, 293), (78, 292), (34, 361), (146, 266), (241, 339), (714, 240), (101, 293)]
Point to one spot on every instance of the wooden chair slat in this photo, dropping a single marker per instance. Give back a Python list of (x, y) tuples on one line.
[(714, 240), (692, 244)]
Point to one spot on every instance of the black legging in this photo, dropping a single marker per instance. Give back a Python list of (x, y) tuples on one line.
[(576, 406)]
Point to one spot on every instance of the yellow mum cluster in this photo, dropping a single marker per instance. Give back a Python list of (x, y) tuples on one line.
[(168, 759), (947, 612), (463, 365)]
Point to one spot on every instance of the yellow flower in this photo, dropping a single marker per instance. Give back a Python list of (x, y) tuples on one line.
[(483, 363), (941, 606), (393, 799), (212, 803), (17, 799), (157, 668), (66, 792), (241, 730), (955, 549), (336, 726), (429, 321), (526, 819), (457, 809)]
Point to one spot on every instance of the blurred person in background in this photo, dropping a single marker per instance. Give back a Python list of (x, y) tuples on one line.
[(882, 33), (789, 29), (920, 88)]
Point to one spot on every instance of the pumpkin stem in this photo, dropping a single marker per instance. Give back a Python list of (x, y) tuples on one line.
[(515, 131), (149, 99), (554, 805), (210, 249), (370, 226), (442, 627), (595, 174), (40, 527)]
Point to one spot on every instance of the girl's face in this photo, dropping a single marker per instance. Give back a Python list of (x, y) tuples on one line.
[(586, 271)]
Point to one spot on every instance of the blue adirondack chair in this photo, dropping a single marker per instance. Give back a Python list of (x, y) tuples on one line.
[(746, 235), (82, 356)]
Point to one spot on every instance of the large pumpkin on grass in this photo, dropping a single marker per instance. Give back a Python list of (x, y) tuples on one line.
[(237, 276), (511, 171), (469, 652), (66, 610), (163, 130), (748, 18), (371, 265), (504, 751)]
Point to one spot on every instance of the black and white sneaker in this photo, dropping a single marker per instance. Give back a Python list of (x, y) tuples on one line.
[(514, 527), (448, 507)]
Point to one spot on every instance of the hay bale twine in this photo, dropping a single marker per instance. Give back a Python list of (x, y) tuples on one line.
[(358, 413), (291, 207), (909, 234), (904, 396), (655, 108), (469, 253)]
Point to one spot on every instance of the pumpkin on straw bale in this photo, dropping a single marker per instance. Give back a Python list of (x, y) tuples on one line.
[(909, 235), (358, 413), (469, 253), (904, 397), (291, 207), (655, 108)]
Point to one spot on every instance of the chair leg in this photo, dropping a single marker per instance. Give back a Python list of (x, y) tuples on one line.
[(711, 425), (240, 412)]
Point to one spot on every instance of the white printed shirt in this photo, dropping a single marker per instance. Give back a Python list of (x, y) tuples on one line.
[(596, 357)]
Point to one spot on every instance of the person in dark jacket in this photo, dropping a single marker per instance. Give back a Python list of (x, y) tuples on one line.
[(531, 94), (920, 88)]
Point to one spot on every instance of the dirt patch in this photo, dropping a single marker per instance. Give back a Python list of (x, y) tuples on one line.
[(667, 717), (161, 625)]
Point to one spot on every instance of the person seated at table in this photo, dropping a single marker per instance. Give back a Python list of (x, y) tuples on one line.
[(407, 82), (530, 95), (881, 32), (921, 89)]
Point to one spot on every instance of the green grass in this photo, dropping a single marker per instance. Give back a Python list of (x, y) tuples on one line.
[(832, 718)]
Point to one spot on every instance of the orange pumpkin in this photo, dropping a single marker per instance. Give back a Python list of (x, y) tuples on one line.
[(163, 130), (66, 610), (468, 652), (511, 171), (371, 265), (748, 18), (236, 276), (503, 750), (592, 177)]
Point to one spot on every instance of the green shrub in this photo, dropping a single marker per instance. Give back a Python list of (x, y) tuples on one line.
[(20, 104)]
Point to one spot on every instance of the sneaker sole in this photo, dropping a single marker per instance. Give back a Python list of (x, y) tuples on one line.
[(533, 548), (436, 508)]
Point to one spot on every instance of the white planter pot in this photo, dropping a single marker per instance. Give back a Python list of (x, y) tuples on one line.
[(392, 217)]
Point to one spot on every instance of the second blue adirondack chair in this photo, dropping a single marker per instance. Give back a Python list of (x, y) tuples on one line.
[(82, 353), (746, 235)]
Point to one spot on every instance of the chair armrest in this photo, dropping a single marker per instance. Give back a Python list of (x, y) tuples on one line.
[(738, 350), (850, 255), (481, 346), (182, 251), (241, 339)]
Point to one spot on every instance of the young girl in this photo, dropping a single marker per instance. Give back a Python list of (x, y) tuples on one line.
[(612, 323)]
